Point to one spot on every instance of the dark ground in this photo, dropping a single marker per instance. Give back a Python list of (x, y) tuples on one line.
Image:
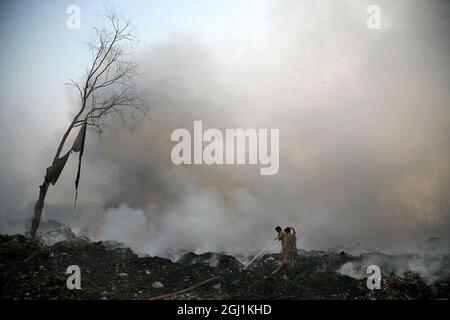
[(32, 270)]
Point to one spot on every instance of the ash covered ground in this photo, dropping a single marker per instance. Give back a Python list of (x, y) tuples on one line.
[(37, 270)]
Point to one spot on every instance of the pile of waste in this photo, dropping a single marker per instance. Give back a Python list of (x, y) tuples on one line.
[(52, 232), (38, 270)]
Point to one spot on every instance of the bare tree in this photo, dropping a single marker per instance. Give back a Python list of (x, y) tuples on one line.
[(107, 90)]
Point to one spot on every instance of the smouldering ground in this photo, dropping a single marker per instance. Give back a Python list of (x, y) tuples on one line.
[(31, 270)]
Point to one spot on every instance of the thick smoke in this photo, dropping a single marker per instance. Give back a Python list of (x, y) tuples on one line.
[(364, 134)]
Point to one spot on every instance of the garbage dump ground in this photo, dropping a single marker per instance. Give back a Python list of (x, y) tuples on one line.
[(34, 270)]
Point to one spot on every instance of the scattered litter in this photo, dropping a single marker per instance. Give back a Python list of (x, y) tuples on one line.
[(157, 285)]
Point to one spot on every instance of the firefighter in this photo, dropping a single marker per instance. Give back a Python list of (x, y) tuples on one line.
[(285, 245), (292, 250)]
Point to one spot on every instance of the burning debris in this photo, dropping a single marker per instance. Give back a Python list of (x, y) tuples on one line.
[(35, 270), (52, 232), (216, 260)]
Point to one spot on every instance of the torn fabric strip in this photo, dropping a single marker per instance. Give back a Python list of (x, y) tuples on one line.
[(54, 171), (78, 146), (79, 141)]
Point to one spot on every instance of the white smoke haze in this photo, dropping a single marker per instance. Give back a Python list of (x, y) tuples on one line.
[(430, 267), (364, 136)]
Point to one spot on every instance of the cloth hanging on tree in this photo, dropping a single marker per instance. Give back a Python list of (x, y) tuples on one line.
[(54, 171), (79, 141), (78, 146)]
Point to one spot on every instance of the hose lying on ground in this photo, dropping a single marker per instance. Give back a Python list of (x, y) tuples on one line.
[(168, 295)]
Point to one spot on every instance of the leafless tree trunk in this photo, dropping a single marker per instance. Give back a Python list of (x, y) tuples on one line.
[(107, 90)]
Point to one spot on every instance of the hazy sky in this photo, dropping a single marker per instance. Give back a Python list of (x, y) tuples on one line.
[(363, 118)]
